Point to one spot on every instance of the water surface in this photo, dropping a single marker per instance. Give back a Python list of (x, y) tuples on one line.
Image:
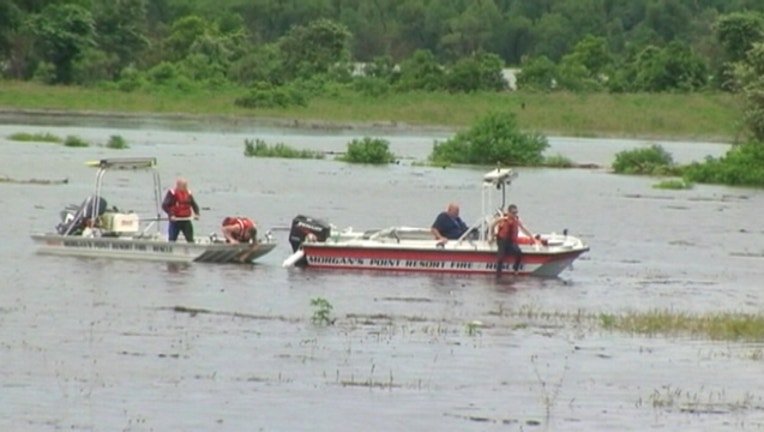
[(106, 345)]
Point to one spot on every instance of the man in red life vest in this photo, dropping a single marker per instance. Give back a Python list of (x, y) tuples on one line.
[(181, 208), (237, 229), (509, 227)]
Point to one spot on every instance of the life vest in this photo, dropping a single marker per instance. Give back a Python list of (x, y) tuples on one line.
[(244, 224), (181, 208), (509, 230)]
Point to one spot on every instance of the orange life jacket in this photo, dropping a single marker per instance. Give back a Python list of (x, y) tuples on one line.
[(181, 208), (508, 230), (243, 223)]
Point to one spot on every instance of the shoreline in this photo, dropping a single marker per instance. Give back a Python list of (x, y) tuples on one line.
[(308, 124)]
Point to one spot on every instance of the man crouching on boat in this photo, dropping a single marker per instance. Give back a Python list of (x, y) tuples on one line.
[(237, 229)]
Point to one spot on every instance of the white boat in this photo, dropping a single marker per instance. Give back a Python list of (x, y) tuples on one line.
[(92, 229), (318, 244)]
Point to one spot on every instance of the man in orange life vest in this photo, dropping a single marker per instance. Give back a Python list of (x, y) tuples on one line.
[(180, 206), (509, 226), (237, 229)]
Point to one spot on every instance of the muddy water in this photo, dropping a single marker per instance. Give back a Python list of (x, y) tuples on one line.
[(104, 345)]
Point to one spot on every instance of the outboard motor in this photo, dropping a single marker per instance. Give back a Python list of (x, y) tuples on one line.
[(303, 226), (73, 217)]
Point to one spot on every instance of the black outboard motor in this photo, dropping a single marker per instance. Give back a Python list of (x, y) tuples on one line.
[(73, 218), (302, 226)]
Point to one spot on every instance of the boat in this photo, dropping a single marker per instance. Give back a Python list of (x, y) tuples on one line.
[(318, 244), (92, 229)]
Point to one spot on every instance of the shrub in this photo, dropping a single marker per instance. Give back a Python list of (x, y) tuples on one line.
[(75, 141), (37, 137), (258, 148), (117, 142), (558, 161), (677, 184), (368, 151), (495, 138), (743, 165), (653, 160)]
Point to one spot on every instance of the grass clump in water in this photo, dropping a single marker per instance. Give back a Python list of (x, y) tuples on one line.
[(653, 160), (716, 326), (259, 148), (674, 184), (322, 311), (117, 142), (368, 151), (557, 161), (75, 141), (35, 137)]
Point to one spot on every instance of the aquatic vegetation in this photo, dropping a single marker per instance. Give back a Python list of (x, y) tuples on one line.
[(653, 160), (557, 161), (703, 401), (259, 148), (117, 142), (494, 138), (35, 137), (75, 141), (322, 311), (473, 327), (716, 326), (368, 151), (675, 184)]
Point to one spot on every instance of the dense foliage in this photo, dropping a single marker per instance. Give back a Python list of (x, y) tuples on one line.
[(494, 138), (453, 45), (259, 148), (743, 165), (652, 160), (368, 151), (280, 54)]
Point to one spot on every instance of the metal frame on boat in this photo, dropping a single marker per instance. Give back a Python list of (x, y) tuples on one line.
[(316, 244), (94, 230)]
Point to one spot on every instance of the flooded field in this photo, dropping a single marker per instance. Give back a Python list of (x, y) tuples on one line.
[(139, 346)]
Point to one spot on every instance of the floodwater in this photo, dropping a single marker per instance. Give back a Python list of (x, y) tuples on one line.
[(140, 346)]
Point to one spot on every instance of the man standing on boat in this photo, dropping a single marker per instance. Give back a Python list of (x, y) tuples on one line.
[(181, 208), (509, 227), (448, 225)]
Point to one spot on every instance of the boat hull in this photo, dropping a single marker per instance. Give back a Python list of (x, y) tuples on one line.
[(151, 249), (470, 259)]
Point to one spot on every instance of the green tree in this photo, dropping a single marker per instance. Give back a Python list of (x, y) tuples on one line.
[(494, 138), (480, 71), (62, 33), (316, 48), (121, 31), (471, 30), (749, 78), (737, 33), (537, 73), (421, 72)]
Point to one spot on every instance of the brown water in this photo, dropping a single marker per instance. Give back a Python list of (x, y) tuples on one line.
[(138, 346)]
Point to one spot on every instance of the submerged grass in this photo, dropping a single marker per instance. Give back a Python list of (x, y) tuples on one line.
[(35, 137), (681, 116), (716, 326), (730, 326)]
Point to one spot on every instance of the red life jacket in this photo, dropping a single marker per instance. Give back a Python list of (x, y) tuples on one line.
[(181, 208), (509, 230), (243, 223)]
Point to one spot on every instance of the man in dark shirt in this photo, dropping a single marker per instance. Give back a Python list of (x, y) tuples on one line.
[(448, 225)]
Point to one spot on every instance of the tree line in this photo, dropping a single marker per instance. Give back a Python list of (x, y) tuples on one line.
[(285, 51)]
